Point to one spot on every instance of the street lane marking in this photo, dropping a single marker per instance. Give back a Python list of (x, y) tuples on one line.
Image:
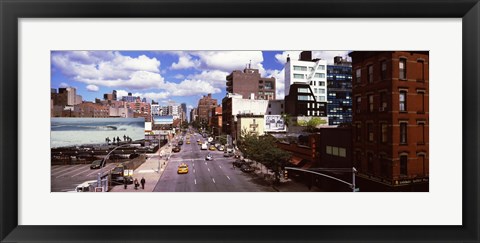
[(193, 170), (65, 169), (83, 171), (228, 177), (208, 169), (213, 179), (195, 181), (220, 166), (81, 168)]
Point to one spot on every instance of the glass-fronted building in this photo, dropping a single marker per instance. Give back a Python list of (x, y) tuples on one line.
[(339, 86)]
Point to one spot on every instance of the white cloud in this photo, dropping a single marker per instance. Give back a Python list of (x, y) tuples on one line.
[(110, 69), (279, 76), (185, 61), (63, 85), (282, 58), (192, 87), (216, 78), (92, 88), (190, 107), (228, 61), (154, 95), (179, 76)]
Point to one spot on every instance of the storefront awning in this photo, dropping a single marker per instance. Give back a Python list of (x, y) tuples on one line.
[(295, 160)]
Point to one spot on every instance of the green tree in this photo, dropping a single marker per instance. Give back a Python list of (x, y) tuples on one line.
[(263, 149)]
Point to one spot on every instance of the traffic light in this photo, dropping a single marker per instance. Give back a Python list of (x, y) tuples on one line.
[(285, 174)]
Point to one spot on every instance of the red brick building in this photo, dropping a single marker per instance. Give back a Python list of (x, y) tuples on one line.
[(250, 82), (216, 120), (205, 105), (390, 120)]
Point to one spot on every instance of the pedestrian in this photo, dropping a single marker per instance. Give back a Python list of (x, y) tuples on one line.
[(125, 183), (118, 139), (113, 139), (136, 184), (143, 182), (124, 137)]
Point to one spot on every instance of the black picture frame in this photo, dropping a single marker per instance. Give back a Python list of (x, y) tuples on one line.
[(11, 11)]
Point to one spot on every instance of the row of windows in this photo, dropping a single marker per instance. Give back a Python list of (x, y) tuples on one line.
[(304, 76), (303, 68), (383, 133), (402, 102), (402, 71), (386, 166), (320, 83), (336, 151)]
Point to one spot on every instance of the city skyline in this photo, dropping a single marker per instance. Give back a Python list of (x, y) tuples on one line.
[(163, 76)]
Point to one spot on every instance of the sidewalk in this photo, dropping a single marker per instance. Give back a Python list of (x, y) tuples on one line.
[(149, 171)]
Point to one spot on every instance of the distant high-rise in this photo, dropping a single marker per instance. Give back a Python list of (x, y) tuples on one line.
[(205, 104), (339, 85), (250, 84)]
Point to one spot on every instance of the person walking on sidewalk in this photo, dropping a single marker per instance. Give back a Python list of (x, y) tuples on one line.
[(142, 181), (136, 184)]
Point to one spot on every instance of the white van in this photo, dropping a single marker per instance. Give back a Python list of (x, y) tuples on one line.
[(204, 146), (87, 186)]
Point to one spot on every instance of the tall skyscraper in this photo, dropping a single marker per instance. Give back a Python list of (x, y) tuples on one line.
[(339, 85)]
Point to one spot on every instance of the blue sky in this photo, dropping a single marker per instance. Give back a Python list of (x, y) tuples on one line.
[(163, 76)]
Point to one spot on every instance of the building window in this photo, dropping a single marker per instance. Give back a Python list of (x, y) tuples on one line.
[(422, 133), (299, 76), (329, 150), (403, 101), (421, 67), (383, 133), (299, 68), (321, 67), (303, 97), (383, 101), (358, 159), (384, 70), (370, 132), (321, 91), (370, 163), (403, 165), (422, 102), (319, 75), (281, 106), (321, 98), (370, 73), (321, 83), (423, 162), (342, 152), (403, 132), (303, 90), (358, 132), (383, 166), (402, 68), (370, 103), (358, 103), (358, 75)]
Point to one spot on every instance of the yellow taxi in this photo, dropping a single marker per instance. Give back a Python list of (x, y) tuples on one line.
[(199, 142), (188, 136), (182, 169), (188, 141), (212, 147)]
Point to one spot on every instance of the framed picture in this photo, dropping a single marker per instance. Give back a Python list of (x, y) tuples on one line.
[(38, 38)]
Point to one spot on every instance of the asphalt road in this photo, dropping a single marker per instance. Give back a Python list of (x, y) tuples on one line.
[(65, 178), (217, 175)]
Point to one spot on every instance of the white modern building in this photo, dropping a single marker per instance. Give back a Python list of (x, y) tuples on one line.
[(307, 71)]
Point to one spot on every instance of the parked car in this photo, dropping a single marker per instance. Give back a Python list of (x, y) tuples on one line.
[(247, 168), (176, 149), (96, 164), (133, 156), (238, 163), (212, 147), (209, 157), (221, 148), (180, 143)]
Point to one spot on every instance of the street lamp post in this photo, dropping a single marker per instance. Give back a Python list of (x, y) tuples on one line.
[(104, 161)]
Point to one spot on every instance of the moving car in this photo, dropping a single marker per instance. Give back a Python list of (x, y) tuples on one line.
[(199, 142), (96, 164), (209, 157), (212, 147), (180, 143), (221, 148), (86, 186), (176, 149), (182, 169), (188, 141), (227, 154), (204, 146)]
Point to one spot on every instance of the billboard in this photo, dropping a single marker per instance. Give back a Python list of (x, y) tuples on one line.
[(274, 123)]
